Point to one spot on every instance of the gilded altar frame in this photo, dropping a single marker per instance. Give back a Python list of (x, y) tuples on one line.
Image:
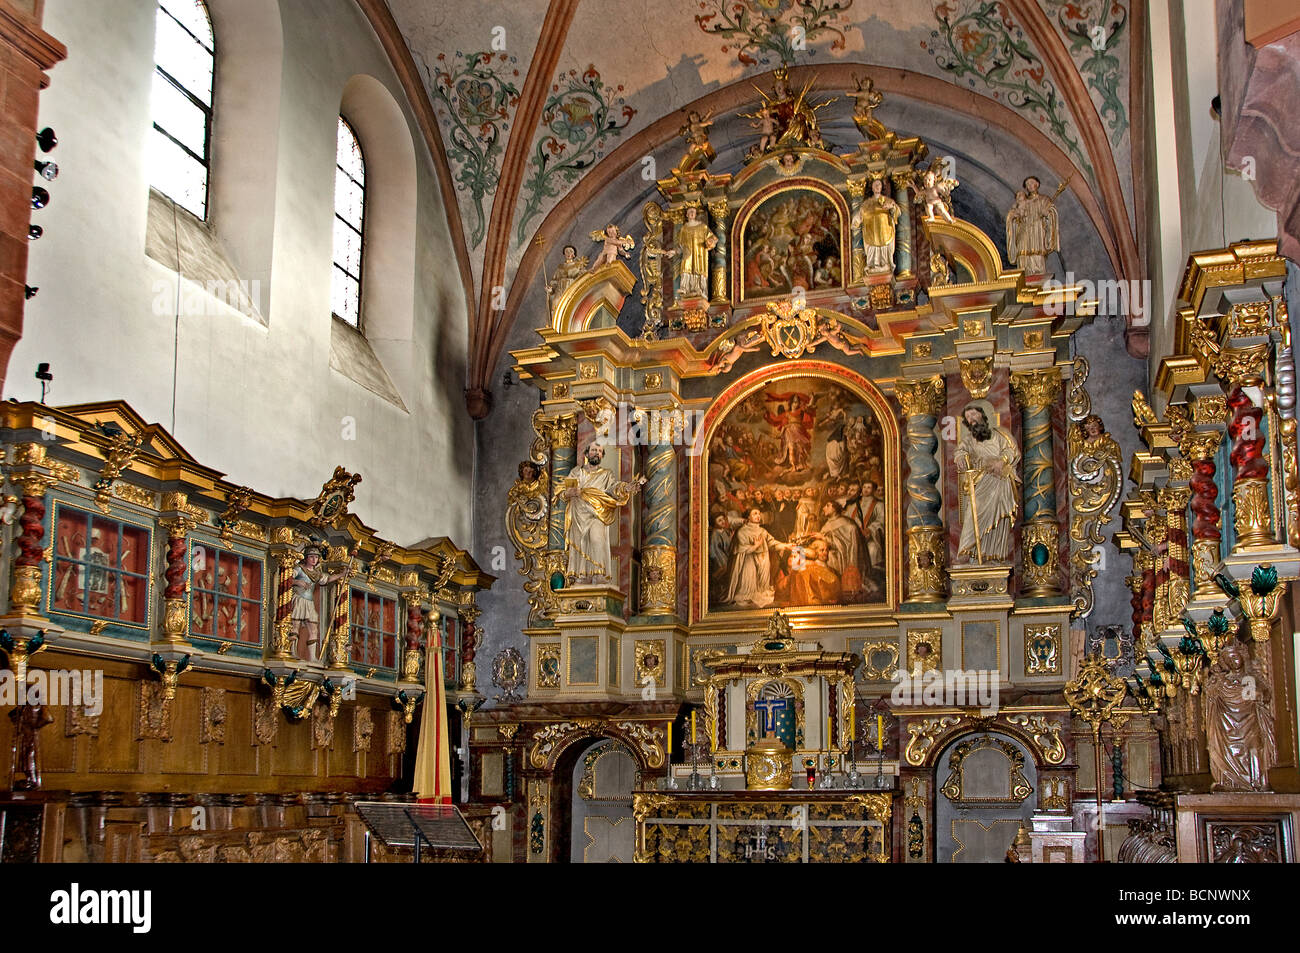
[(752, 692), (748, 620), (737, 248)]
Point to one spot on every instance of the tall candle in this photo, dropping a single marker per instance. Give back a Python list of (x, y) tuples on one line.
[(670, 737), (828, 732), (853, 723), (880, 732), (692, 726), (713, 734)]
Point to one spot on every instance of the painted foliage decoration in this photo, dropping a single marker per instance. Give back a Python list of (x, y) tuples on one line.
[(796, 501), (767, 31), (581, 116), (475, 98), (979, 42), (1096, 32), (792, 240)]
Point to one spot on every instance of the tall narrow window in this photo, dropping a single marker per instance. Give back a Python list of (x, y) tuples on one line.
[(182, 104), (349, 223)]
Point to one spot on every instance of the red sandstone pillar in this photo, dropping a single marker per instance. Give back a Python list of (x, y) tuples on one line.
[(26, 51)]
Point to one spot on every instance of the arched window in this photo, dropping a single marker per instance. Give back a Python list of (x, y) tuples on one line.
[(182, 104), (349, 225)]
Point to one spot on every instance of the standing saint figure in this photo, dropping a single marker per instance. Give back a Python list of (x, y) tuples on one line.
[(1238, 723), (592, 497), (988, 486), (749, 575), (309, 577), (878, 219), (1032, 229), (570, 269), (28, 720), (694, 242)]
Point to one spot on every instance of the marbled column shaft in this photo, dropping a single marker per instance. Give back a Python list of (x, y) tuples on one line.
[(661, 496), (1200, 448), (564, 457), (1036, 391), (922, 402), (856, 262), (1249, 458), (903, 257), (718, 257)]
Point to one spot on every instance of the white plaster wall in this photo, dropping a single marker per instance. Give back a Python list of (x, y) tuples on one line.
[(1195, 204), (259, 402)]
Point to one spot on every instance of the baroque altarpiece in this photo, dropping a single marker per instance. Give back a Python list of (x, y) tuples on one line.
[(844, 470)]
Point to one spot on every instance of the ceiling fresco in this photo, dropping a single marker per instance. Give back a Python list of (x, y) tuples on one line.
[(532, 98)]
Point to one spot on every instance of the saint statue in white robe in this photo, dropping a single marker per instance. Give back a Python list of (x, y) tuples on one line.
[(1033, 231), (592, 496), (988, 486)]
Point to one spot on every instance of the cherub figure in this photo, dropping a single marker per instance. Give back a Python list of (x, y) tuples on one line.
[(615, 246), (696, 133), (765, 123), (731, 351), (865, 99), (934, 191)]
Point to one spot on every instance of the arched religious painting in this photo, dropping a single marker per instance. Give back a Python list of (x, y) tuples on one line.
[(797, 496), (792, 239)]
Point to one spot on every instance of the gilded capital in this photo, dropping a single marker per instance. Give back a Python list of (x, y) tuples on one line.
[(1036, 390), (1242, 367), (1200, 444), (923, 396), (564, 432)]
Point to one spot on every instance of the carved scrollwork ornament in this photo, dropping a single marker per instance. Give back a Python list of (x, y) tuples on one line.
[(1096, 481), (527, 512)]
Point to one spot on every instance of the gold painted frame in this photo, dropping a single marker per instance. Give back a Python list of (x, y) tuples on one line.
[(997, 644), (568, 660), (545, 652), (929, 636), (886, 673), (736, 249), (747, 620), (151, 587), (251, 555), (1048, 630)]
